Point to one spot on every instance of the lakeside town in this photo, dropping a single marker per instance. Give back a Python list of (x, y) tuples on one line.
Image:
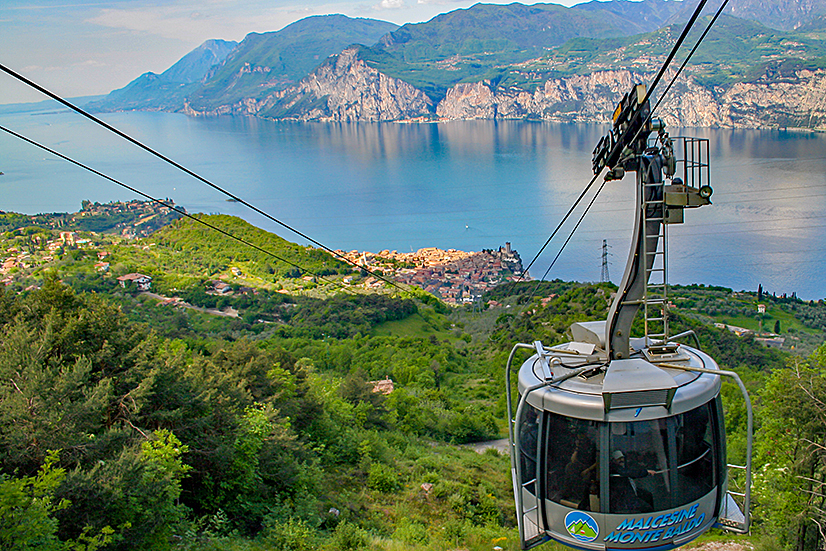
[(35, 242), (457, 277)]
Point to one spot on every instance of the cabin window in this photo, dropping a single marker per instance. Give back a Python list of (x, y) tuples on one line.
[(572, 477), (696, 461), (528, 436), (639, 474), (662, 464)]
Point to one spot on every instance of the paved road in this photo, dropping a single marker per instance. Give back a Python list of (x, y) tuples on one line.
[(229, 311), (499, 445)]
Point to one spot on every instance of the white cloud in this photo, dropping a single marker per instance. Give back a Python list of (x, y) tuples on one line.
[(195, 22), (390, 5)]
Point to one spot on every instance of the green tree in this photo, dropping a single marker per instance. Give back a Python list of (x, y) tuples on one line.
[(27, 508), (791, 486)]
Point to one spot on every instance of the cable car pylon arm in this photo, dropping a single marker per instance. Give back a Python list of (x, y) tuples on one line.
[(626, 148)]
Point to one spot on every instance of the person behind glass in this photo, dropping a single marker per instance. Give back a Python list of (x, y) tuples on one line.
[(626, 497), (580, 472)]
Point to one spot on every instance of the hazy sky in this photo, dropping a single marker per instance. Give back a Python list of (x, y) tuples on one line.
[(76, 48)]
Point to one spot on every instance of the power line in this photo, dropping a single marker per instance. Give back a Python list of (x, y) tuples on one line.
[(168, 205), (177, 165)]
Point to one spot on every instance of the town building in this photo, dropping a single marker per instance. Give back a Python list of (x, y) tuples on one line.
[(142, 282)]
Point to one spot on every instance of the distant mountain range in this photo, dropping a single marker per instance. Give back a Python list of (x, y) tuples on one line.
[(763, 64), (168, 90)]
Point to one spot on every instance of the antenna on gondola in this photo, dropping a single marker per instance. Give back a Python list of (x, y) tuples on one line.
[(619, 442)]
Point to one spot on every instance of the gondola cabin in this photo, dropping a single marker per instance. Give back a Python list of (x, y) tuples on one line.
[(619, 442)]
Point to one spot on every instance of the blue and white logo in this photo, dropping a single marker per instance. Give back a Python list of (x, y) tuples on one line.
[(581, 526)]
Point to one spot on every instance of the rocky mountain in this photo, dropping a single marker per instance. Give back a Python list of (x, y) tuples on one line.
[(778, 14), (543, 62), (166, 91), (270, 62), (344, 88)]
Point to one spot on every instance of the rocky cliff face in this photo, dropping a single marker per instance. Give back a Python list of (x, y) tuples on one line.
[(343, 89), (347, 89), (576, 99), (797, 100)]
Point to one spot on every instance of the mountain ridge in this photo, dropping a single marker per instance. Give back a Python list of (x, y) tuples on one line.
[(176, 82), (505, 61), (265, 62)]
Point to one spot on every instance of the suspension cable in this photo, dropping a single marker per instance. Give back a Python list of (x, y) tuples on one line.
[(690, 54), (654, 84), (676, 47), (198, 177), (169, 205)]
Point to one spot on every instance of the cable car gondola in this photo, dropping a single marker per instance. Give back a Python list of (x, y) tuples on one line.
[(619, 442)]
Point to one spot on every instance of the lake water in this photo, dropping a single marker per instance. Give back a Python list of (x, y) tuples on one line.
[(464, 185)]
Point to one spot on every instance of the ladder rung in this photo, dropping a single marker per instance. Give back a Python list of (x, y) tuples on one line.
[(655, 298)]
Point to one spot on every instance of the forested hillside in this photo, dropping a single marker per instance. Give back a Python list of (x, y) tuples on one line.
[(129, 423)]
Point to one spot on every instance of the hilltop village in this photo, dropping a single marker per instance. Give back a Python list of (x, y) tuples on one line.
[(129, 219), (457, 277), (88, 233)]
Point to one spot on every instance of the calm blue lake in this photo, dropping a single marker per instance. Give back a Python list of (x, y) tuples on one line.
[(463, 185)]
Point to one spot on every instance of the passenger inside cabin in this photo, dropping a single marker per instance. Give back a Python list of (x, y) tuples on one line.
[(580, 474), (626, 495)]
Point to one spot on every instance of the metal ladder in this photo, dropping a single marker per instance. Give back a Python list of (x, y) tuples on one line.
[(655, 299)]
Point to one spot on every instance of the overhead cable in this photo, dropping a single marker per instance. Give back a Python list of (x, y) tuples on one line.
[(690, 54), (562, 248), (177, 165), (676, 47), (559, 226), (621, 141), (165, 204)]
